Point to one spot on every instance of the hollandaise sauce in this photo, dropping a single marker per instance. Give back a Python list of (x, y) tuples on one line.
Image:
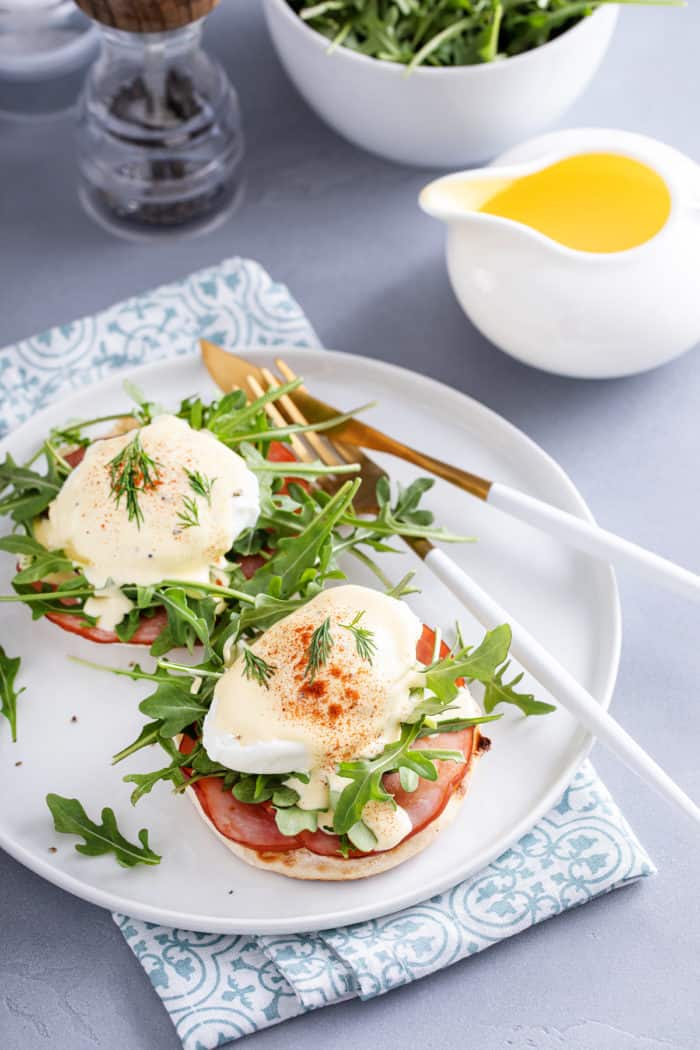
[(590, 202)]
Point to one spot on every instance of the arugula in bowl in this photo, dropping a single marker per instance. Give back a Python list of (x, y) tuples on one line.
[(447, 32)]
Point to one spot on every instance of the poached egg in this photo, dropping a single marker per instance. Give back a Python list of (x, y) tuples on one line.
[(95, 531)]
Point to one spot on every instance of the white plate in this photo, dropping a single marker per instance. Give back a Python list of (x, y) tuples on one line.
[(567, 600)]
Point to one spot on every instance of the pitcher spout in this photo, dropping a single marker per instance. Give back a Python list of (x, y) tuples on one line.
[(462, 195)]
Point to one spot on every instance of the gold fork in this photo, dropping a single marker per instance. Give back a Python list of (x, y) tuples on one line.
[(544, 667), (310, 446), (229, 370)]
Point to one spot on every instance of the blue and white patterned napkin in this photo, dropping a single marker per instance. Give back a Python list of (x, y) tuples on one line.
[(217, 988)]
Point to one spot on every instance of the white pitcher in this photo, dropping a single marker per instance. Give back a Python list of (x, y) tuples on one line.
[(576, 313)]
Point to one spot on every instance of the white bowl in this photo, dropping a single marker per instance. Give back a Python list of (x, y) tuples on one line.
[(439, 117)]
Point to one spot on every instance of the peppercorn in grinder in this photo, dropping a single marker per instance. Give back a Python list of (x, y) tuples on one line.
[(160, 144)]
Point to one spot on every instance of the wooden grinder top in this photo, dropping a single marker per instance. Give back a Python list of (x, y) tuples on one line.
[(146, 16)]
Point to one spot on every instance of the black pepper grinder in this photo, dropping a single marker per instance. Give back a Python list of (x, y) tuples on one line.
[(160, 144)]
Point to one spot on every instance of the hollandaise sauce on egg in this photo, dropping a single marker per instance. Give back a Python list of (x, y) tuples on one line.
[(199, 497), (350, 707)]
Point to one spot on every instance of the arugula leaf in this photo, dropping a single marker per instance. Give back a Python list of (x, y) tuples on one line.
[(146, 603), (233, 415), (499, 692), (199, 761), (190, 620), (8, 694), (233, 420), (70, 818), (31, 492), (455, 725), (47, 598), (258, 787), (174, 706), (129, 625), (21, 544), (145, 782), (300, 469), (43, 563), (284, 796), (251, 541), (407, 503), (479, 664), (295, 555), (150, 734), (366, 775), (487, 664), (404, 517), (51, 600), (267, 611)]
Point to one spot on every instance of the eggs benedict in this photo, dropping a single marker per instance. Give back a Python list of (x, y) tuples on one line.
[(161, 502), (332, 711)]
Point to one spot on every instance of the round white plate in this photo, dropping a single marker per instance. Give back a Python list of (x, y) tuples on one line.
[(567, 600)]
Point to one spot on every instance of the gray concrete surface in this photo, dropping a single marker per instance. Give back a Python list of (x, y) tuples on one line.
[(342, 229)]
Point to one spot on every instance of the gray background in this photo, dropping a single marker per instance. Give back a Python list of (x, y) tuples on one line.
[(342, 229)]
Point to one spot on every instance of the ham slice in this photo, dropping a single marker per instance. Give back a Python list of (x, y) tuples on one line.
[(145, 634)]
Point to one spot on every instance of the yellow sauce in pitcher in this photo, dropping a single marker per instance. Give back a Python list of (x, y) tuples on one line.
[(591, 202)]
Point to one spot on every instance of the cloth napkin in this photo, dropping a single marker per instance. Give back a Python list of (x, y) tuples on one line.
[(217, 988)]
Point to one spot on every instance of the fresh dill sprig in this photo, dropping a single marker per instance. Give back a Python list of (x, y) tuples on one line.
[(256, 669), (364, 638), (189, 516), (200, 484), (130, 472), (319, 649)]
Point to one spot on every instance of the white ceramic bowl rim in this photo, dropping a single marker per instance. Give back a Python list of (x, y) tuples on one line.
[(599, 258), (398, 68)]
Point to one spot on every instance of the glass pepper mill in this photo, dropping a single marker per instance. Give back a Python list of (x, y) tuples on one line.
[(160, 144)]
